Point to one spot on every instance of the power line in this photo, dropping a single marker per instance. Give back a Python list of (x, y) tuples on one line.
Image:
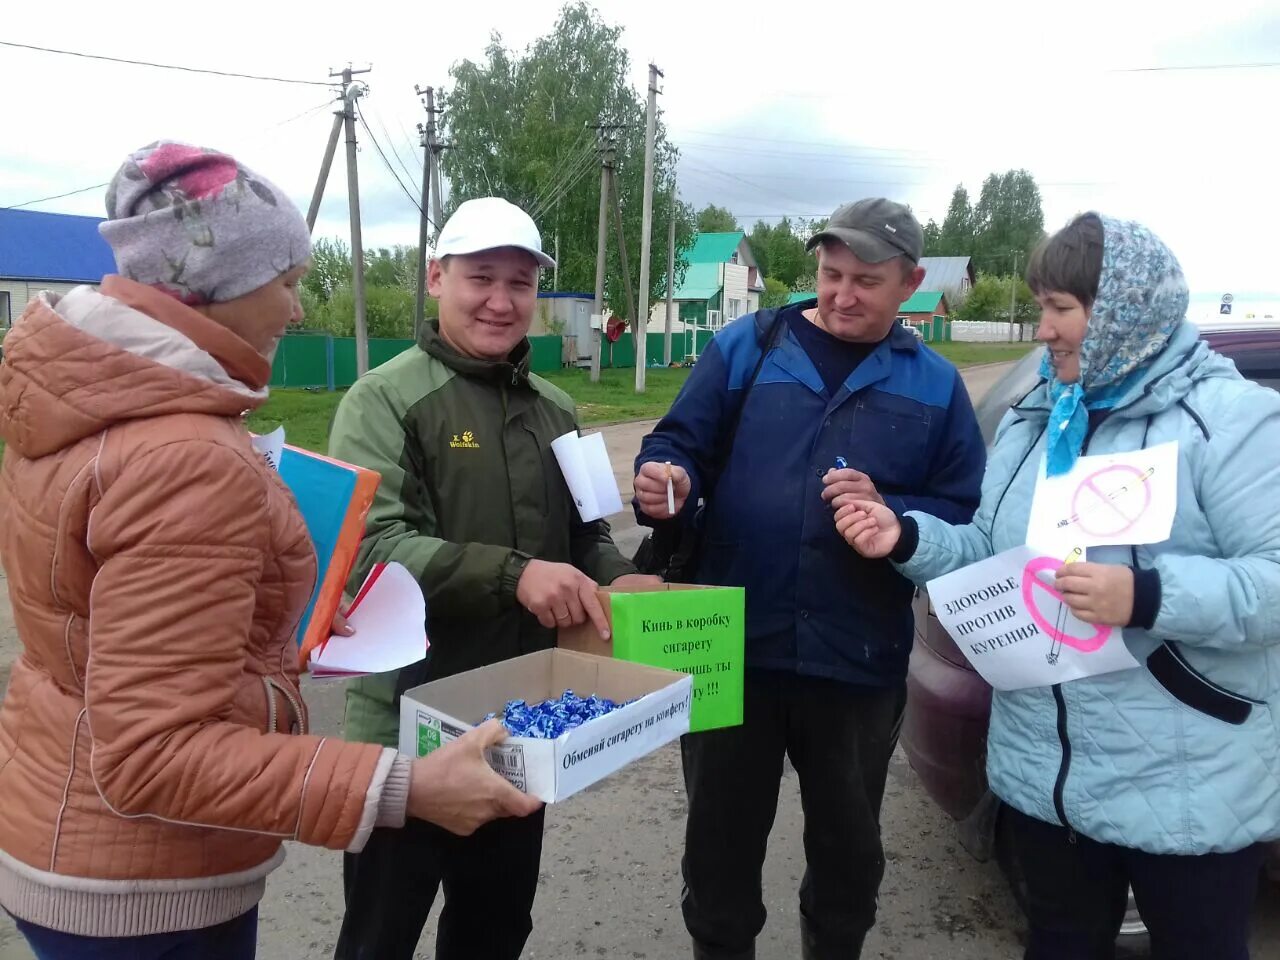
[(71, 193), (564, 190), (881, 180), (886, 161), (390, 169), (901, 151), (395, 150), (163, 66), (1262, 65), (573, 173), (568, 161), (56, 196)]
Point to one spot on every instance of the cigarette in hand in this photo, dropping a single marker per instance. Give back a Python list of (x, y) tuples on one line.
[(671, 492)]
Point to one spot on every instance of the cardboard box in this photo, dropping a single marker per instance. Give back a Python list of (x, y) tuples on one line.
[(684, 627), (433, 714)]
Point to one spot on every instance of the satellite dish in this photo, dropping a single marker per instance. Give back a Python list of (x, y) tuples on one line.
[(613, 329)]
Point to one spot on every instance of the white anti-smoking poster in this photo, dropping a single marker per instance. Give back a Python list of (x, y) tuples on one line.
[(1011, 622)]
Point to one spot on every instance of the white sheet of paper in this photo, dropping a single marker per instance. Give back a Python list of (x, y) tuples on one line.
[(1011, 624), (270, 447), (389, 620), (584, 461), (1117, 499)]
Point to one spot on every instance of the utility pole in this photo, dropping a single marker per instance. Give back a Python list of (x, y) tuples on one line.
[(646, 228), (351, 93), (435, 147), (605, 147), (671, 275), (1013, 294), (420, 300), (555, 273), (622, 261), (314, 210)]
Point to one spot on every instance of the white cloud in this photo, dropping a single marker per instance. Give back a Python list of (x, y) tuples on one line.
[(779, 110)]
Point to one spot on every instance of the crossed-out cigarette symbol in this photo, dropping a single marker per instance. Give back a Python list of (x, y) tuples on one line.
[(1056, 631)]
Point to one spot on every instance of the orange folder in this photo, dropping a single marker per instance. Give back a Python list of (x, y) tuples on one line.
[(334, 498)]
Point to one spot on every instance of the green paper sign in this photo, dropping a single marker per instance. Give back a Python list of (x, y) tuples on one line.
[(698, 632)]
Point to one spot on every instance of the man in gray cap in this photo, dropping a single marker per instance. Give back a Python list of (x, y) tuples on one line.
[(789, 414)]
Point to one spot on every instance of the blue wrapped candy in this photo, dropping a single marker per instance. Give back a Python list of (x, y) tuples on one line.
[(552, 718)]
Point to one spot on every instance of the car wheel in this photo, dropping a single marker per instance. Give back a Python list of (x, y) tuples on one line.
[(1133, 942)]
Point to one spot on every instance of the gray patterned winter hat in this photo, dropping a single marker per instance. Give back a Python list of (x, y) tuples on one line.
[(197, 225)]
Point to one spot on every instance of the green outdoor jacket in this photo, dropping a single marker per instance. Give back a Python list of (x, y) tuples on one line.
[(470, 491)]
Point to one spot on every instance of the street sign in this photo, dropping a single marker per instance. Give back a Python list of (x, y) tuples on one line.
[(1228, 298), (1225, 309)]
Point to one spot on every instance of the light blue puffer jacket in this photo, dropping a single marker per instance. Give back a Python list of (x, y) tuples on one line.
[(1118, 757)]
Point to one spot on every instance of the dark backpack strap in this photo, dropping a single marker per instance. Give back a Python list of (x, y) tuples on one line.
[(766, 346)]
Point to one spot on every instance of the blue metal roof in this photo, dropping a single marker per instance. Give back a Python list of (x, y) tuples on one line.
[(52, 246)]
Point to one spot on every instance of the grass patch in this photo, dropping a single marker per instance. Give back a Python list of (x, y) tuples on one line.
[(614, 397), (305, 414), (971, 354)]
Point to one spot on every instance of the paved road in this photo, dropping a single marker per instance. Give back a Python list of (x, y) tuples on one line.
[(610, 880)]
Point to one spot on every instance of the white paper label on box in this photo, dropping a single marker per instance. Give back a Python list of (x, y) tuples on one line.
[(553, 770)]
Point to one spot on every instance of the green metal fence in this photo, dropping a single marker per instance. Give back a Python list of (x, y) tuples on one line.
[(326, 362)]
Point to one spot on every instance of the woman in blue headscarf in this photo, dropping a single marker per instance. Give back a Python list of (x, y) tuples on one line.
[(1165, 777)]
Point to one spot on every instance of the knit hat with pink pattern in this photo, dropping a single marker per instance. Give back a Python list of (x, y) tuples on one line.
[(199, 226)]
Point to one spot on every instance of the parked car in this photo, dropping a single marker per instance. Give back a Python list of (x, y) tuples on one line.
[(944, 731)]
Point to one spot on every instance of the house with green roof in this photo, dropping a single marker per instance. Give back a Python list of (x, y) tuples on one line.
[(721, 282), (921, 307)]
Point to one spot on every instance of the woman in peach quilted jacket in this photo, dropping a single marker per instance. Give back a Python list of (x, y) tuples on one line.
[(154, 749)]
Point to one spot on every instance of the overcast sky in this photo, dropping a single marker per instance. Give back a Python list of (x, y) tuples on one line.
[(777, 109)]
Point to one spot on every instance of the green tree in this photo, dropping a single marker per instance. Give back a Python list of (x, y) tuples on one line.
[(713, 219), (932, 239), (519, 125), (776, 293), (778, 250), (989, 300), (1008, 220), (394, 267), (330, 267), (388, 312)]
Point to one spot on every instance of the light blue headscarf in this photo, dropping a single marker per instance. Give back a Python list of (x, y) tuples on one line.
[(1142, 298)]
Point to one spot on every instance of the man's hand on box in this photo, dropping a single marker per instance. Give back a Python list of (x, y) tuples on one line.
[(454, 787), (560, 595)]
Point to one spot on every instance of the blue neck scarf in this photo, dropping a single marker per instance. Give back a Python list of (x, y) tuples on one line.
[(1069, 418)]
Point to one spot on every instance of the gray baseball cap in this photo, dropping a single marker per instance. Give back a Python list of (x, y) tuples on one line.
[(875, 229)]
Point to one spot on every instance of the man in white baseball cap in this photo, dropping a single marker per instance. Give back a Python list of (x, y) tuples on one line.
[(472, 504)]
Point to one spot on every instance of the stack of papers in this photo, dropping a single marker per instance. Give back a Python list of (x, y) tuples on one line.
[(584, 461), (389, 615)]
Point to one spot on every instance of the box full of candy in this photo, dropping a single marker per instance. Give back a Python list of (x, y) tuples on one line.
[(573, 718)]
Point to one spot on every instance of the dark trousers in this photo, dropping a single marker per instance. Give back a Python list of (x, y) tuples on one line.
[(1195, 908), (489, 878), (839, 738), (234, 940)]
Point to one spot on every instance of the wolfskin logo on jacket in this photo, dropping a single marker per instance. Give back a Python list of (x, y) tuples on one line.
[(466, 442)]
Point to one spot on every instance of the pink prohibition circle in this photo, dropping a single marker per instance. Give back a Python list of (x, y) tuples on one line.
[(1030, 581), (1110, 521)]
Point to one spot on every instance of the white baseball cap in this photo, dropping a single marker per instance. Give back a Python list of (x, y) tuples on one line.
[(487, 223)]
